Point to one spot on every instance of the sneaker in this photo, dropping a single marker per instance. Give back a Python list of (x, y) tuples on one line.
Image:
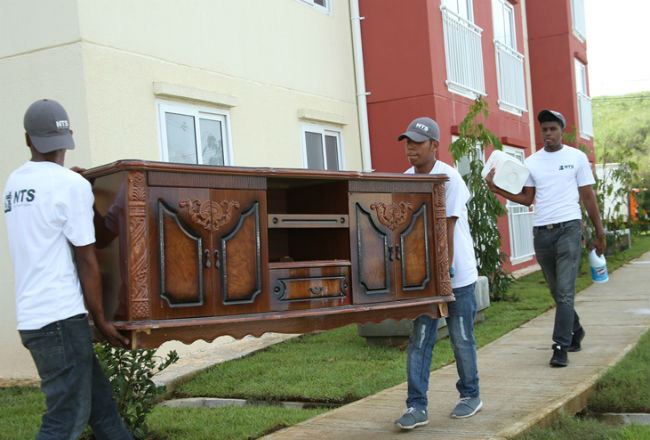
[(412, 418), (560, 357), (467, 407), (576, 339)]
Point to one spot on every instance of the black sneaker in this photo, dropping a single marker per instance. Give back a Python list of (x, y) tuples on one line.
[(560, 357), (576, 339)]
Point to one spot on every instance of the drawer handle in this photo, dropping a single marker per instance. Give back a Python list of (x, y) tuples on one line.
[(398, 255), (390, 253), (316, 290), (207, 259), (217, 263)]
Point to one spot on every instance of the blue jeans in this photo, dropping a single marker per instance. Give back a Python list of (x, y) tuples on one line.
[(461, 335), (559, 252), (76, 391)]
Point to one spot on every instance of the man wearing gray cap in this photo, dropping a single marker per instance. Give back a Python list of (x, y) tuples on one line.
[(422, 141), (560, 176), (49, 215)]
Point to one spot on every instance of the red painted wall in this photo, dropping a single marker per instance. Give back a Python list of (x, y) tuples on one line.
[(404, 57), (553, 49)]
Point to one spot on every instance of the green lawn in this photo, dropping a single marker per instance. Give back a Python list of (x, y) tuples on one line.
[(329, 367)]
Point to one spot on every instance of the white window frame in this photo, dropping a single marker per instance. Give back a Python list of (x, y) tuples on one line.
[(327, 9), (197, 112), (456, 6), (509, 62), (578, 23), (585, 115), (511, 207), (323, 130)]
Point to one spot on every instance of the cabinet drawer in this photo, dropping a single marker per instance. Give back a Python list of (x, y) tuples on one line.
[(309, 287)]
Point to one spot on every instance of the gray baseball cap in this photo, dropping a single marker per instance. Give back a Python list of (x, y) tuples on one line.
[(551, 115), (47, 124), (421, 129)]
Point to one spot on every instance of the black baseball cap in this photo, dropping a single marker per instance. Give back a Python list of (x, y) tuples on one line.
[(421, 129), (551, 115), (47, 124)]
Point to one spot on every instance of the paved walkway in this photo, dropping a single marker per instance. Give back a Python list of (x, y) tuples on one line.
[(518, 387)]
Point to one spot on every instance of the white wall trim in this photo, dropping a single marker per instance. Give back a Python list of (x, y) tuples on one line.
[(321, 116), (177, 91)]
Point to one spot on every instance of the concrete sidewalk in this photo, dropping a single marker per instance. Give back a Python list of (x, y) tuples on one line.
[(518, 387)]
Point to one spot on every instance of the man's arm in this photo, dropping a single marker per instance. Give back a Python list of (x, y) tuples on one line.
[(451, 224), (588, 198), (89, 276), (525, 197)]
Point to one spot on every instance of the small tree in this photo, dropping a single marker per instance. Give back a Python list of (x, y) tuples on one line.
[(130, 373), (484, 207)]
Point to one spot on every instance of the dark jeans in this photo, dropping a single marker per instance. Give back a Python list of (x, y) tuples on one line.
[(460, 324), (76, 391), (559, 251)]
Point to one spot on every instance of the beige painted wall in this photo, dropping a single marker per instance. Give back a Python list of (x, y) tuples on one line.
[(271, 62)]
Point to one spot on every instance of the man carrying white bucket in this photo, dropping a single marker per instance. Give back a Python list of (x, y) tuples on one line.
[(560, 176)]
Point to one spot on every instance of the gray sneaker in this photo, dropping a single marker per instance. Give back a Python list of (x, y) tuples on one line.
[(467, 407), (412, 418)]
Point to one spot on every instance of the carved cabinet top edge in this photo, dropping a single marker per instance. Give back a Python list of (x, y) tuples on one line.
[(142, 165)]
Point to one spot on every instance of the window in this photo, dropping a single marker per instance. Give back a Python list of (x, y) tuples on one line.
[(520, 221), (578, 19), (463, 51), (194, 134), (462, 8), (509, 62), (321, 5), (321, 147), (585, 121)]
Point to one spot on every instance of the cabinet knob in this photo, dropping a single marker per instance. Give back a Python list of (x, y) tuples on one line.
[(390, 253), (398, 255), (207, 259)]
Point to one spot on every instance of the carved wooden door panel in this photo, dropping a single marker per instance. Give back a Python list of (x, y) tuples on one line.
[(391, 238), (181, 285), (238, 250), (371, 251), (413, 248)]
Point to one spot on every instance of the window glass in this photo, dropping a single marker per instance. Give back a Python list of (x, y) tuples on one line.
[(314, 146), (581, 78), (331, 152), (181, 141), (504, 23), (462, 8), (211, 141)]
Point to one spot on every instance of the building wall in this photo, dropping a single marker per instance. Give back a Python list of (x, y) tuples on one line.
[(404, 58), (553, 49), (272, 65)]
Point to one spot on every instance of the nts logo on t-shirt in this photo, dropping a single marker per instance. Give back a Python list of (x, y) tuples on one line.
[(18, 198), (566, 167)]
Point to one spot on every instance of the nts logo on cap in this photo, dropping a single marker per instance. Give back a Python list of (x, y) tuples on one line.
[(422, 127)]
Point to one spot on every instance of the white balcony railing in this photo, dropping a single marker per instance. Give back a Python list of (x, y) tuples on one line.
[(510, 75), (464, 55), (586, 124), (520, 222)]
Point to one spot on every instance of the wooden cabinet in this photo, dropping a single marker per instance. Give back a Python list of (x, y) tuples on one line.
[(190, 252)]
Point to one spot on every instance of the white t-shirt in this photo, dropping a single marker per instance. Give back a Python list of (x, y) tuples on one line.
[(47, 207), (556, 177), (456, 197)]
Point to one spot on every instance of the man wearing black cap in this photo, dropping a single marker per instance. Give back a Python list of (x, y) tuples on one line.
[(49, 215), (560, 176), (422, 141)]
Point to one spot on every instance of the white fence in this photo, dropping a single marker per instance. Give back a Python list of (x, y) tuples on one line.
[(510, 74), (463, 52)]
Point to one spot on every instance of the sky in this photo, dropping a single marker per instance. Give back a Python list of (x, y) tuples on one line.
[(618, 41)]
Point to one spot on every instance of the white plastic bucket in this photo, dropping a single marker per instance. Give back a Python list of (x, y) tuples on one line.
[(598, 266), (509, 174)]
